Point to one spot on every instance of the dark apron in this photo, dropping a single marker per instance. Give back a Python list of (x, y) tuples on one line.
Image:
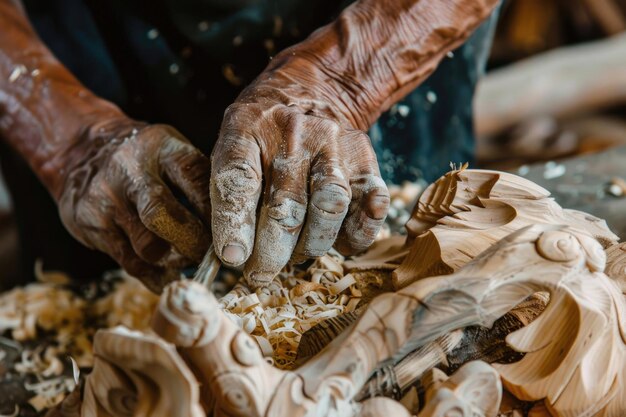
[(182, 62)]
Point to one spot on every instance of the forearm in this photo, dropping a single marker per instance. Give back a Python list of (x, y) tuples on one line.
[(375, 53), (46, 115)]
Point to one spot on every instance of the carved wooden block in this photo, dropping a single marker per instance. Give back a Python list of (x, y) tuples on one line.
[(474, 390), (485, 234), (136, 374), (236, 379), (467, 211), (454, 349), (574, 350), (564, 262), (381, 406)]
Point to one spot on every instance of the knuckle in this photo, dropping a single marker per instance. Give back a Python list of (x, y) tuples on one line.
[(328, 127), (193, 165), (172, 148), (377, 203), (239, 178), (287, 212), (233, 109), (239, 115), (331, 199), (158, 132), (374, 196)]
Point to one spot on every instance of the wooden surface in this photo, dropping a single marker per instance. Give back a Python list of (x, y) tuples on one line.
[(584, 185)]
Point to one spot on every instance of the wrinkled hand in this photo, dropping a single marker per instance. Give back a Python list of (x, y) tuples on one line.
[(293, 144), (313, 181), (119, 197), (295, 140)]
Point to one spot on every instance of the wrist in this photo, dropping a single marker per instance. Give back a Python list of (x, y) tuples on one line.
[(46, 115), (374, 54)]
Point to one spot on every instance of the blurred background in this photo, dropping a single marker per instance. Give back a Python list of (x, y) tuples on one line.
[(567, 94)]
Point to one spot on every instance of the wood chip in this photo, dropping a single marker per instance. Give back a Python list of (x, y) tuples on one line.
[(278, 315)]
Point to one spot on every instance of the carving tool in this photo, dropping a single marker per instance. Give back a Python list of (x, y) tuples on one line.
[(208, 268)]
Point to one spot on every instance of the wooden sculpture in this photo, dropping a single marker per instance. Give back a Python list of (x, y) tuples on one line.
[(578, 371), (616, 264), (136, 374), (454, 349), (381, 406), (467, 211), (574, 350), (474, 390), (483, 267)]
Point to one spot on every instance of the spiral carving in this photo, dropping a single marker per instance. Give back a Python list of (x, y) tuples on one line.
[(122, 402), (136, 374), (187, 315), (559, 246), (596, 256), (111, 389), (238, 396)]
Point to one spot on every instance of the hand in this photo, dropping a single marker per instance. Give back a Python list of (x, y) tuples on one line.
[(321, 186), (119, 197), (299, 131), (110, 175)]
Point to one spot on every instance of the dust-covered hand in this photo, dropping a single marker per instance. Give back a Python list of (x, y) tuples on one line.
[(120, 184), (322, 187), (122, 195), (293, 170)]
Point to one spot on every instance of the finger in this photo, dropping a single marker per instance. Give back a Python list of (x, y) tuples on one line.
[(150, 247), (280, 220), (153, 277), (163, 215), (235, 190), (328, 206), (190, 171), (370, 199)]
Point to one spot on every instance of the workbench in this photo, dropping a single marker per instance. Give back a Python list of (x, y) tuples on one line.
[(582, 183)]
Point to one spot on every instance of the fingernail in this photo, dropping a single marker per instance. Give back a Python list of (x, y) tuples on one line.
[(233, 254), (259, 279)]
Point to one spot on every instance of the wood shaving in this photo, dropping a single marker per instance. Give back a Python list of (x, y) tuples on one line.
[(60, 322), (40, 306), (46, 365), (130, 305), (50, 277), (296, 300), (49, 393)]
